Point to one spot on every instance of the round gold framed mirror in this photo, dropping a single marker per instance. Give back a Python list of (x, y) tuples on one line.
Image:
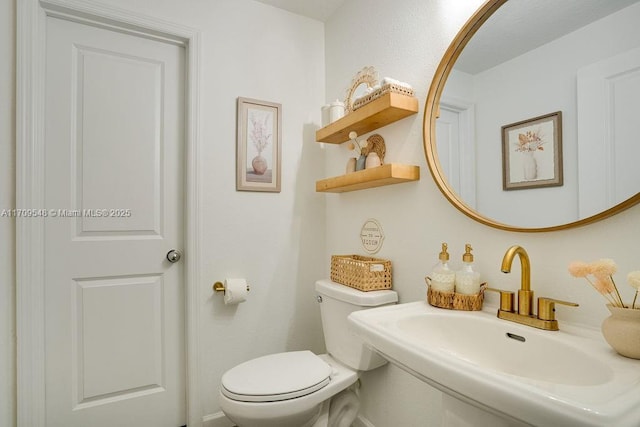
[(471, 172)]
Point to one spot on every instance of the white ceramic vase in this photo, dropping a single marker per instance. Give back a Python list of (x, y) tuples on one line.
[(373, 160), (622, 331), (530, 166)]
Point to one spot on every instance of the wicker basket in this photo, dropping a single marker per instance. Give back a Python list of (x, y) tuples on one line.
[(361, 272), (456, 301), (440, 298), (384, 89)]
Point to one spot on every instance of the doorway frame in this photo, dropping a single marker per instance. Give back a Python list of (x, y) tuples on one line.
[(466, 149), (30, 190)]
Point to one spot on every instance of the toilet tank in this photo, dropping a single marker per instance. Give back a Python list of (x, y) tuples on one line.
[(336, 303)]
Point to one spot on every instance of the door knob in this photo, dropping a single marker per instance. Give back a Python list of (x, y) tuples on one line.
[(174, 255)]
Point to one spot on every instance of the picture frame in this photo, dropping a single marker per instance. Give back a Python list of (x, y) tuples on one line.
[(532, 153), (259, 145)]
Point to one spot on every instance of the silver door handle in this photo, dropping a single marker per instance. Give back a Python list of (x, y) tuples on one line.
[(174, 255)]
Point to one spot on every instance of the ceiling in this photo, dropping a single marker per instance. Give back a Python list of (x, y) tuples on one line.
[(522, 25), (529, 24), (316, 9)]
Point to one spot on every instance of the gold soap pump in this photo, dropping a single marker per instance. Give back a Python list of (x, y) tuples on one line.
[(468, 256), (444, 255)]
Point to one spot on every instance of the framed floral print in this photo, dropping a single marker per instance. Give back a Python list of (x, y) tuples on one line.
[(532, 153), (258, 145)]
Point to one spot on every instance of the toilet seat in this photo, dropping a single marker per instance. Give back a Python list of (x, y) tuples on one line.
[(276, 377)]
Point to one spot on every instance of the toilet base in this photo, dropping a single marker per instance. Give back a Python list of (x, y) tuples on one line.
[(306, 418), (340, 411)]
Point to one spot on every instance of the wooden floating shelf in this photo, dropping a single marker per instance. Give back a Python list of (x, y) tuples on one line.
[(391, 173), (387, 109)]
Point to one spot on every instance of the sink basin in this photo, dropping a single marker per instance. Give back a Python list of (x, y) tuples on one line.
[(569, 377), (487, 343)]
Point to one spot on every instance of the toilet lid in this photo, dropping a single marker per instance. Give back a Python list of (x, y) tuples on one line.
[(276, 377)]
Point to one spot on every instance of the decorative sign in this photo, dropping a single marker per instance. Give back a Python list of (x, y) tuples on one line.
[(371, 236)]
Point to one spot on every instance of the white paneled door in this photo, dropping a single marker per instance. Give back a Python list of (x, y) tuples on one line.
[(114, 161), (456, 147), (608, 151)]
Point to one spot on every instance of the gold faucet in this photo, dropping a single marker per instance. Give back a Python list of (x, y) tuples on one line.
[(525, 294), (546, 306)]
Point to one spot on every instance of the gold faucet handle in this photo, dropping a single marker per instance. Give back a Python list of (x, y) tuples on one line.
[(506, 299), (547, 307)]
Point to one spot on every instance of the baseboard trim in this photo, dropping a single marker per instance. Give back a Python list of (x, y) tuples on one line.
[(217, 419)]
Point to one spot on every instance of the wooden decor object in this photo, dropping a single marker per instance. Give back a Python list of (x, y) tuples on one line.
[(375, 143)]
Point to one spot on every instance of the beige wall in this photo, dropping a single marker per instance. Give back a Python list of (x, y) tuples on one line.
[(405, 39)]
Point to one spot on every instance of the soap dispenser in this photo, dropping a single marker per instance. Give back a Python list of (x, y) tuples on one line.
[(467, 280), (443, 278)]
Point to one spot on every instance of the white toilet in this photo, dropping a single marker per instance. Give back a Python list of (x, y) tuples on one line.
[(298, 388)]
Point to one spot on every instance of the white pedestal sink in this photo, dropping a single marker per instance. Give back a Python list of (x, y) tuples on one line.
[(520, 374)]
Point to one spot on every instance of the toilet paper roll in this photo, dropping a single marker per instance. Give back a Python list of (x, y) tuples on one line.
[(235, 291)]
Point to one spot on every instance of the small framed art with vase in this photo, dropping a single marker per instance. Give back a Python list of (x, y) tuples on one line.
[(259, 143), (532, 153)]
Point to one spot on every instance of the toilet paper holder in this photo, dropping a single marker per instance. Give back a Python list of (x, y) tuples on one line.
[(219, 287)]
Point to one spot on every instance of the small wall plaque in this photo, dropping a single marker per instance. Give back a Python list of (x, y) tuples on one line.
[(372, 236)]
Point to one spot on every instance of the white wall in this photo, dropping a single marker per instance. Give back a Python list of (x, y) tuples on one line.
[(275, 240), (405, 39), (542, 81), (278, 241), (7, 225)]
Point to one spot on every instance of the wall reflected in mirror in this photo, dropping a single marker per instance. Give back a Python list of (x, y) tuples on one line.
[(528, 59)]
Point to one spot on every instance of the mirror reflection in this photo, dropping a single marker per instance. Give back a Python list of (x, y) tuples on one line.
[(528, 60)]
